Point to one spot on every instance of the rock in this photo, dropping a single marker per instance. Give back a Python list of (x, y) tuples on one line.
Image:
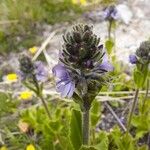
[(125, 14)]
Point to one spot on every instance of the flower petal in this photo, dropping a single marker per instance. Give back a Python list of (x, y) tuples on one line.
[(60, 71), (68, 90), (60, 85), (133, 59), (40, 71), (106, 66), (72, 89)]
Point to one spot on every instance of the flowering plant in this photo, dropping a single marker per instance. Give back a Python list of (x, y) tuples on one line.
[(33, 75), (81, 71), (142, 59), (141, 74)]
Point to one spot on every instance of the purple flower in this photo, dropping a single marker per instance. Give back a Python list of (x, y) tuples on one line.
[(65, 85), (110, 13), (105, 65), (133, 59), (41, 72)]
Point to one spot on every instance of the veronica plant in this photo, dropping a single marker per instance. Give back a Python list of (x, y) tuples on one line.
[(110, 14), (141, 72), (33, 75), (81, 71)]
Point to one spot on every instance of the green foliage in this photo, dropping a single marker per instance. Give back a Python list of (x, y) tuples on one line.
[(87, 148), (95, 113), (122, 141), (109, 44), (62, 10), (27, 18), (76, 129), (52, 134), (140, 75), (7, 104), (103, 141), (141, 121)]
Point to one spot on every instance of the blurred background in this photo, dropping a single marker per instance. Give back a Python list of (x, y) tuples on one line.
[(23, 22), (25, 25)]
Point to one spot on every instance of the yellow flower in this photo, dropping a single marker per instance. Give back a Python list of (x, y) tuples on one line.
[(33, 50), (12, 77), (30, 147), (3, 148), (82, 2), (75, 1), (26, 95)]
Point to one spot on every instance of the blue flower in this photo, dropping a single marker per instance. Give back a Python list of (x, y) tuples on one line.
[(133, 59), (41, 72), (110, 13), (105, 65), (65, 85)]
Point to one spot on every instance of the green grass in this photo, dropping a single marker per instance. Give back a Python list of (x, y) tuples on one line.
[(29, 15)]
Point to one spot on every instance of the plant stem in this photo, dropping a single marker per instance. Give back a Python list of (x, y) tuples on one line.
[(145, 98), (132, 110), (45, 106), (109, 29), (40, 95), (85, 126)]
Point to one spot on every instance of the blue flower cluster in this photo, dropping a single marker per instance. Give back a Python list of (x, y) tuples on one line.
[(83, 63)]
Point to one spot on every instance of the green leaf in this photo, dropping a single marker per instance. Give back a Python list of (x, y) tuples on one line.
[(139, 78), (123, 141), (109, 44), (64, 143), (95, 113), (76, 129), (87, 148), (103, 143), (144, 147)]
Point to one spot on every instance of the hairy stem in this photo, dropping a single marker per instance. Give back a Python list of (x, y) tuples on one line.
[(40, 95), (132, 109), (45, 106), (85, 126), (145, 98)]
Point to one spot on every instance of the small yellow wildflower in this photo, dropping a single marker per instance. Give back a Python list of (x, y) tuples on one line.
[(12, 77), (3, 148), (26, 95), (33, 50), (30, 147), (23, 126), (82, 2)]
